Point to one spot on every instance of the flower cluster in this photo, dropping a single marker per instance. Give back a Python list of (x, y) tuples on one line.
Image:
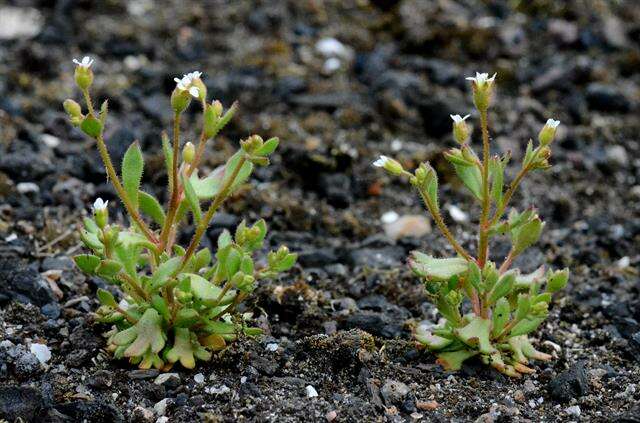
[(506, 305), (179, 303)]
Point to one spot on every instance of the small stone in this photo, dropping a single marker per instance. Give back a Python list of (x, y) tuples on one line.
[(142, 373), (331, 65), (142, 414), (272, 347), (311, 391), (519, 396), (574, 410), (331, 415), (161, 406), (427, 405), (330, 47), (218, 390), (198, 378), (616, 155), (393, 392), (408, 226), (572, 383), (529, 387), (169, 379), (457, 214), (27, 187), (163, 419), (49, 140), (19, 22), (41, 351), (623, 263), (390, 217)]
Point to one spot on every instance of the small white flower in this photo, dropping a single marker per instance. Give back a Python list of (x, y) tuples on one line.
[(85, 63), (481, 78), (194, 75), (185, 83), (99, 204), (553, 123), (458, 119), (381, 161)]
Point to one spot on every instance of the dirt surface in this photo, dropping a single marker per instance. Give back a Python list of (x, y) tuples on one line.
[(339, 325)]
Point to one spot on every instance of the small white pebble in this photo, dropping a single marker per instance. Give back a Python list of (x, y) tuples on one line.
[(11, 238), (330, 47), (457, 214), (42, 352), (163, 419), (217, 390), (623, 263), (27, 187), (243, 379), (574, 410), (198, 378), (311, 391), (390, 217), (331, 65), (272, 346), (50, 140)]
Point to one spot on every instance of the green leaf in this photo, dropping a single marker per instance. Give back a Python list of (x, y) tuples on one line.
[(132, 168), (453, 360), (208, 187), (164, 272), (432, 268), (104, 110), (145, 336), (476, 334), (557, 280), (128, 255), (106, 298), (527, 280), (474, 276), (91, 240), (503, 287), (526, 326), (90, 225), (268, 147), (182, 349), (160, 304), (471, 178), (91, 126), (224, 239), (151, 207), (87, 262), (431, 341), (192, 200), (201, 259), (109, 268), (524, 304), (526, 235), (243, 174), (186, 317), (207, 292), (500, 317), (286, 263)]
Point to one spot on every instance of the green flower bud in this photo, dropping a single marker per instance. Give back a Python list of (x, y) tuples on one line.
[(390, 165), (188, 152), (482, 90), (180, 100), (83, 73), (460, 129), (72, 108), (251, 144), (211, 119), (557, 280), (548, 132), (100, 212)]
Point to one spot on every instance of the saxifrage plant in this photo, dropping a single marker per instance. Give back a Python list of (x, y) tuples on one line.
[(180, 303), (505, 305)]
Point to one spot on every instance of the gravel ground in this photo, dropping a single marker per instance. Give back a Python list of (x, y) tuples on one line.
[(339, 81)]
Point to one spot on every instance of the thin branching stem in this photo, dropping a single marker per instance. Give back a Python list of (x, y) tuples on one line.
[(483, 243), (175, 191)]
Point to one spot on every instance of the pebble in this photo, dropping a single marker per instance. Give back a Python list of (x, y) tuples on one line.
[(331, 65), (41, 351), (623, 263), (161, 406), (27, 187), (163, 419), (198, 378), (19, 22), (167, 379), (330, 47), (574, 410), (427, 405), (311, 391), (390, 217), (457, 214), (142, 414), (393, 391), (616, 155), (272, 346), (49, 140), (331, 415), (408, 226), (218, 390)]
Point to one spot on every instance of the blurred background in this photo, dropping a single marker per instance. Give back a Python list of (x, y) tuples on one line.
[(340, 82)]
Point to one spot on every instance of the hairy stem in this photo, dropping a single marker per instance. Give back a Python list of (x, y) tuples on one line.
[(204, 223), (175, 194), (115, 180), (437, 217), (483, 243), (507, 262)]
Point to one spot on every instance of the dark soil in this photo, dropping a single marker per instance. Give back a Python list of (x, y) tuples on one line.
[(340, 322)]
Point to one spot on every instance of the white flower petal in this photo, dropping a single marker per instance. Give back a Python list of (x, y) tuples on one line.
[(99, 204), (194, 91), (553, 123), (381, 161)]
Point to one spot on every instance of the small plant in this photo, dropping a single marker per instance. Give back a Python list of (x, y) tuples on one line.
[(505, 305), (180, 303)]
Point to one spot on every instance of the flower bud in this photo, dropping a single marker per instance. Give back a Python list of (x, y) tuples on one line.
[(557, 280), (211, 119), (548, 132), (390, 165), (72, 108), (202, 89), (188, 152), (180, 100), (482, 90), (460, 129), (100, 212), (251, 144), (83, 74)]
